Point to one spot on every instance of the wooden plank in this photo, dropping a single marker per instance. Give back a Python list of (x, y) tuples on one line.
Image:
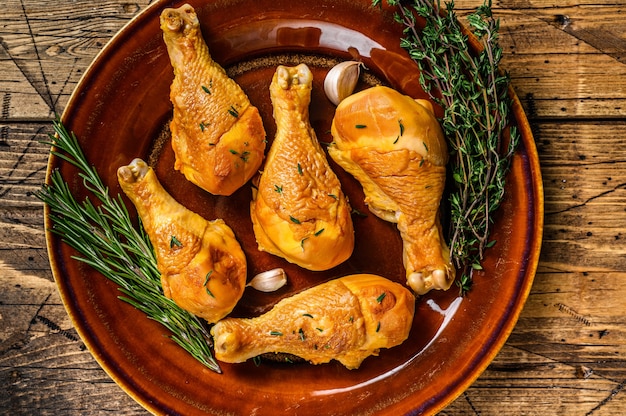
[(42, 60), (47, 66), (567, 354), (532, 4), (584, 169), (576, 277), (578, 369), (34, 356), (23, 163), (565, 60)]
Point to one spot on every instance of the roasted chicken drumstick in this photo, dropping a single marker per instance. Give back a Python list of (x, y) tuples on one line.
[(218, 136), (299, 211), (394, 146), (202, 265), (347, 319)]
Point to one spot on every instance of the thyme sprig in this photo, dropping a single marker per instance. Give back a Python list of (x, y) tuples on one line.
[(107, 240), (474, 94)]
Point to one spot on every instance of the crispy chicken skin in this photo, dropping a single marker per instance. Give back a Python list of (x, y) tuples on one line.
[(347, 319), (394, 146), (217, 135), (299, 211), (202, 266)]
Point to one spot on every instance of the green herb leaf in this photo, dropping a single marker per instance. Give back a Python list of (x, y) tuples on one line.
[(294, 220), (175, 242), (233, 111), (106, 239), (208, 276), (473, 92)]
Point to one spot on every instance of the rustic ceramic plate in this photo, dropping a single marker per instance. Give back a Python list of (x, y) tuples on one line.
[(119, 112)]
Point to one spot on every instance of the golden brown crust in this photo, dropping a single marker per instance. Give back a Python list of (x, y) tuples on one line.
[(346, 319), (299, 211), (394, 146), (218, 137), (203, 268)]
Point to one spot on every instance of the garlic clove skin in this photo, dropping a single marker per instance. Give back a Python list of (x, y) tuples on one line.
[(269, 281), (341, 80)]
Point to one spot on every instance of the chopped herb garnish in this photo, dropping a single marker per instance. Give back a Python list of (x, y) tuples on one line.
[(380, 298), (301, 333), (360, 126), (299, 169), (233, 111), (333, 196), (358, 213), (401, 127), (175, 242), (378, 327), (302, 242), (244, 156), (209, 88), (276, 333), (425, 146), (396, 141), (233, 151), (208, 276), (294, 220), (278, 189), (308, 315), (125, 255), (209, 292), (318, 232), (320, 329)]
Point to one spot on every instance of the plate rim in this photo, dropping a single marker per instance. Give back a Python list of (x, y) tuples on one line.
[(499, 341)]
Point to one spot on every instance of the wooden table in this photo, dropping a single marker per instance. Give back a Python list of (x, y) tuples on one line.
[(567, 354)]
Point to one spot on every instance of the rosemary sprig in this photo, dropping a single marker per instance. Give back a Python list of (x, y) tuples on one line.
[(107, 240), (473, 92)]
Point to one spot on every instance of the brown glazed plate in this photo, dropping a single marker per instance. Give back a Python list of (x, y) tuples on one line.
[(120, 111)]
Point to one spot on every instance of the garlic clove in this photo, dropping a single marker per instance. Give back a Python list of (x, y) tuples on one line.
[(341, 80), (269, 281)]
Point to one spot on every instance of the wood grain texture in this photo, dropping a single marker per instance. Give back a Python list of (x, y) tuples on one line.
[(567, 354)]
